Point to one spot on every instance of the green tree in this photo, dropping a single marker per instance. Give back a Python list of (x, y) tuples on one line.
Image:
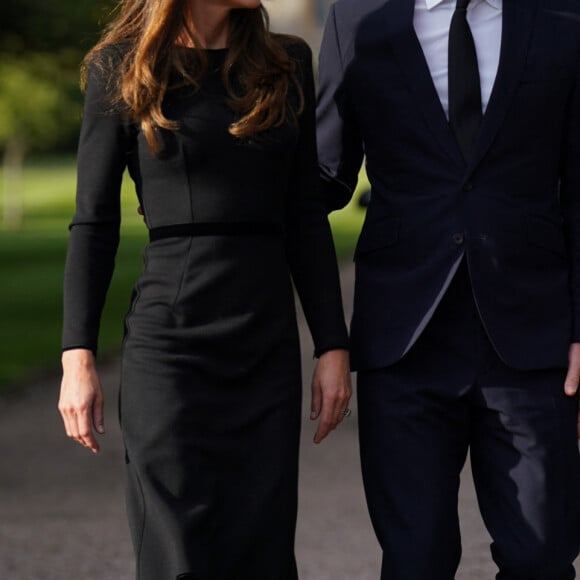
[(36, 112), (41, 47), (40, 26)]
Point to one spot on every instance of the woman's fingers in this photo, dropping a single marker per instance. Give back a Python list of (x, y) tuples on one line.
[(332, 414), (326, 424), (98, 413), (78, 424), (81, 399), (316, 403), (85, 426)]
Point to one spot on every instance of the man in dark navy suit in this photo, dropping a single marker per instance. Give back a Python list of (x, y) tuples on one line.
[(466, 322)]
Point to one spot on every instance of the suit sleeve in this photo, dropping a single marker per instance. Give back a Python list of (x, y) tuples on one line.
[(570, 199), (94, 231), (340, 147), (310, 247)]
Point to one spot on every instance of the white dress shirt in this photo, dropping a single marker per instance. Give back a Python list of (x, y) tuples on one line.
[(432, 20)]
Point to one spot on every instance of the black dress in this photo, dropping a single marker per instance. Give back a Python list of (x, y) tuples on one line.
[(211, 382)]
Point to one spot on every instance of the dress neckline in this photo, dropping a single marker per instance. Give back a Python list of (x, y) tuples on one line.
[(208, 50)]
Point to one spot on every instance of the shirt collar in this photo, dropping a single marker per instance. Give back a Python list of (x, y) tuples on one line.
[(497, 4)]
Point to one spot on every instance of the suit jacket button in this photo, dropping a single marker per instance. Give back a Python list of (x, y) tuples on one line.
[(458, 239), (468, 186)]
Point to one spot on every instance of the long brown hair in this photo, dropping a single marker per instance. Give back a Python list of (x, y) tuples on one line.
[(149, 33)]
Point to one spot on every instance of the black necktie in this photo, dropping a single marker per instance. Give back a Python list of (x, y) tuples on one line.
[(464, 85)]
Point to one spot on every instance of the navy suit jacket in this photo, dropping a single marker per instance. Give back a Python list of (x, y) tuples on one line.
[(513, 208)]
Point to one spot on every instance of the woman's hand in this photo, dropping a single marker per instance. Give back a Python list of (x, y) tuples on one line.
[(81, 398), (331, 391)]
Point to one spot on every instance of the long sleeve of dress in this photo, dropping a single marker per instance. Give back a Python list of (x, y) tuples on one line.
[(94, 231), (310, 246)]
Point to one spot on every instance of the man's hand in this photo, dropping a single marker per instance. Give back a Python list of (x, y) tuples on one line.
[(573, 376), (331, 391)]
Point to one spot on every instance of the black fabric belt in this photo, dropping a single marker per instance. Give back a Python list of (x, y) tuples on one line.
[(215, 229)]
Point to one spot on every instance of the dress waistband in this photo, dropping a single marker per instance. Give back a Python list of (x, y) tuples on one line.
[(216, 229)]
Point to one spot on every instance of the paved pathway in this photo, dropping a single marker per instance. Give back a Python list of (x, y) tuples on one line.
[(62, 512)]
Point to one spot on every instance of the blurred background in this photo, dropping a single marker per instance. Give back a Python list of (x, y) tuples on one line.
[(41, 47)]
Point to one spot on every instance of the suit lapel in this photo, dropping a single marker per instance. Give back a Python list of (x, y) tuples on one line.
[(398, 18), (518, 20)]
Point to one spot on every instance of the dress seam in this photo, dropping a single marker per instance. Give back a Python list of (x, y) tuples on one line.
[(182, 277)]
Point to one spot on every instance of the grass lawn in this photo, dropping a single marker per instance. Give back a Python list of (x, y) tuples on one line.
[(32, 262)]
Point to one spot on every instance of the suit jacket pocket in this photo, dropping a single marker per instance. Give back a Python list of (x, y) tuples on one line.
[(378, 234), (545, 234)]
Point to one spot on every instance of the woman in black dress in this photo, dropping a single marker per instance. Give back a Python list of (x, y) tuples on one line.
[(214, 118)]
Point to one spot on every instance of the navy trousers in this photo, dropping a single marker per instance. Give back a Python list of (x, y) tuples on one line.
[(418, 419)]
